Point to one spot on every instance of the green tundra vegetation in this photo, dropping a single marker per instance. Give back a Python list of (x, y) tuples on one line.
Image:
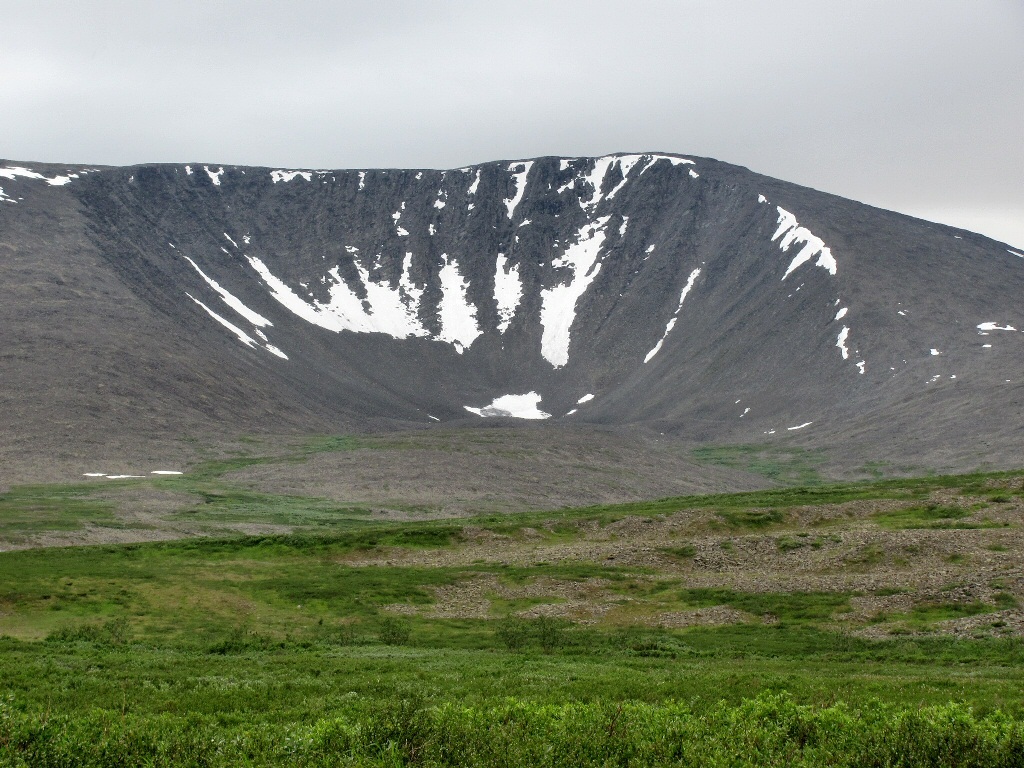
[(869, 623)]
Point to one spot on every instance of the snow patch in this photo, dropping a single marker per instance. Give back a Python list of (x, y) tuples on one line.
[(214, 175), (558, 303), (841, 313), (12, 172), (994, 327), (671, 323), (626, 164), (508, 291), (860, 367), (513, 406), (800, 426), (390, 310), (457, 313), (475, 185), (935, 352), (243, 337), (235, 303), (841, 342), (585, 399), (288, 175), (791, 232), (519, 173), (166, 472), (650, 249), (1015, 253)]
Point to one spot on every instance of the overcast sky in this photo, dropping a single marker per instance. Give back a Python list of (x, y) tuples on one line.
[(913, 106)]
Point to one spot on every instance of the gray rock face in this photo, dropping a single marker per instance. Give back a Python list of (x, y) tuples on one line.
[(681, 293)]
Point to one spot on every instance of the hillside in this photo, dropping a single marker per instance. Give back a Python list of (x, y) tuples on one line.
[(151, 309)]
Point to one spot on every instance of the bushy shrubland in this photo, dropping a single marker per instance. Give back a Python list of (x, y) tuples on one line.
[(771, 730)]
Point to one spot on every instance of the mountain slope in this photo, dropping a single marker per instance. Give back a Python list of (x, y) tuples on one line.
[(680, 293)]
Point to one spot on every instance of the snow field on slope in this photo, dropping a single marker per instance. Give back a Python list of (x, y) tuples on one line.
[(513, 406), (508, 291), (558, 304)]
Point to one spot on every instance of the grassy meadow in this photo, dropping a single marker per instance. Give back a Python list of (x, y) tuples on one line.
[(868, 623)]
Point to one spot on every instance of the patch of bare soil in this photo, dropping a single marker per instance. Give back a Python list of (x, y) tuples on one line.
[(886, 572), (471, 471)]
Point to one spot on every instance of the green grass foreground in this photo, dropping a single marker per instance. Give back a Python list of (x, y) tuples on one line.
[(767, 731), (289, 650)]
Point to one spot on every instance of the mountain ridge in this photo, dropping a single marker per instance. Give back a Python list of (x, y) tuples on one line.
[(668, 292)]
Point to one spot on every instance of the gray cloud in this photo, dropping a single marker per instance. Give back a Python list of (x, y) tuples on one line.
[(915, 106)]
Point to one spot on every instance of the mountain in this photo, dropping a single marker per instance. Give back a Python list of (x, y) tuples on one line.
[(678, 295)]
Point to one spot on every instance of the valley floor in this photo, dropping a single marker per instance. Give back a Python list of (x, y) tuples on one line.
[(797, 625)]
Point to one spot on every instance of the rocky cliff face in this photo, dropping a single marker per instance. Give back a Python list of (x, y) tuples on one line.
[(678, 292)]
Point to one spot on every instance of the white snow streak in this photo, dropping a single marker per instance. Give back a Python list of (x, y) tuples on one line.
[(842, 313), (841, 342), (457, 313), (508, 291), (585, 399), (675, 315), (558, 303), (236, 304), (513, 406), (214, 175), (596, 179), (800, 426), (791, 232), (519, 172), (476, 183), (1015, 253), (286, 175), (626, 163), (994, 327), (243, 337), (391, 310), (12, 172), (166, 472)]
